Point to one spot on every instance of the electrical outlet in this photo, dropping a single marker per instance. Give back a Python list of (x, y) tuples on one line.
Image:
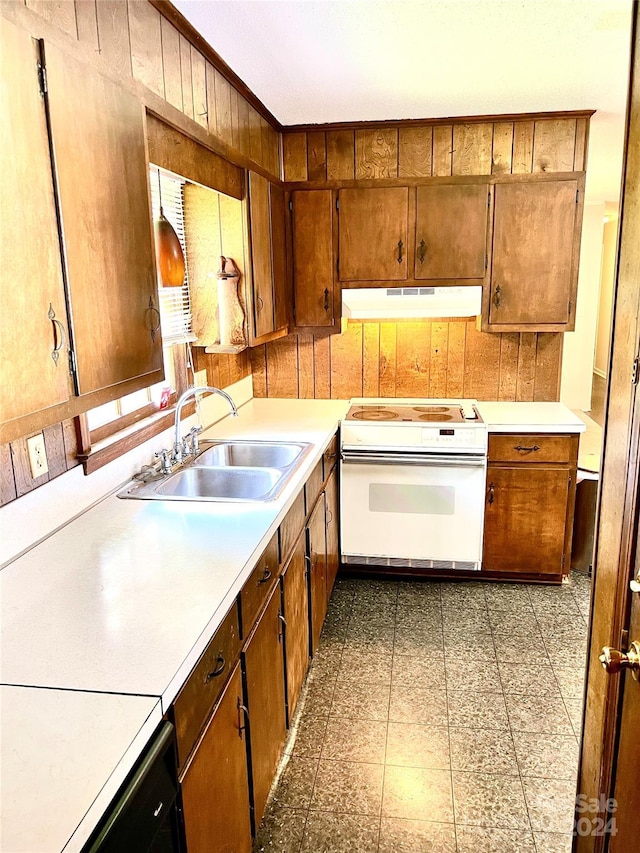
[(37, 455)]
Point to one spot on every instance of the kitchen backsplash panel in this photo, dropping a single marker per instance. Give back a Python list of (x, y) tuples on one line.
[(419, 359)]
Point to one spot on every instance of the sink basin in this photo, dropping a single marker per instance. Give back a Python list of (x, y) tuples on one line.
[(251, 454), (203, 484)]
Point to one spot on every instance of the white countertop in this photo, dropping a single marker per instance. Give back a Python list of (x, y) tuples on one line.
[(64, 756), (123, 600), (529, 417)]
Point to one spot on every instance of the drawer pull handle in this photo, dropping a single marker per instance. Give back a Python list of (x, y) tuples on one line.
[(158, 809), (492, 493), (266, 576), (330, 516), (332, 455), (522, 449), (220, 666), (283, 622), (242, 709)]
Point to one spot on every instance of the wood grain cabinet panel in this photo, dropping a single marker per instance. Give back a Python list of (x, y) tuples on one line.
[(317, 563), (215, 786), (98, 134), (259, 585), (263, 664), (373, 228), (313, 264), (451, 231), (31, 283), (534, 259), (296, 614), (530, 503), (268, 289), (332, 527)]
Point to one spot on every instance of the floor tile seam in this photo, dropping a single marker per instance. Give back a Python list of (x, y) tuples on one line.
[(453, 799)]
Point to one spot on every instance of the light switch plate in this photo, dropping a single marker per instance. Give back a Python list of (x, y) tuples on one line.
[(37, 456)]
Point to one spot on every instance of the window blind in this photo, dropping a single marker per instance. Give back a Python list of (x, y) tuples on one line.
[(175, 302)]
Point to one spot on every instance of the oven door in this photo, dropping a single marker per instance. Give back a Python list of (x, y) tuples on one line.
[(412, 509)]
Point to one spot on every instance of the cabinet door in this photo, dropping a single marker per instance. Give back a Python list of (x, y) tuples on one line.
[(312, 228), (264, 671), (317, 554), (32, 376), (215, 787), (296, 614), (533, 270), (525, 519), (260, 219), (101, 172), (373, 234), (451, 231), (333, 552), (279, 256)]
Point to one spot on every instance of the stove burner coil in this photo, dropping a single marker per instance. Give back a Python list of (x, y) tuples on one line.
[(371, 414)]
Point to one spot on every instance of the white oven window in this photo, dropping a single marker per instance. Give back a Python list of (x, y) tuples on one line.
[(412, 498)]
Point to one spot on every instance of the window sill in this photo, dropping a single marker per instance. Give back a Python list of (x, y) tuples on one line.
[(130, 437)]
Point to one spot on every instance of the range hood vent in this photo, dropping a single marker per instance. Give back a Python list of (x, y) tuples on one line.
[(397, 303)]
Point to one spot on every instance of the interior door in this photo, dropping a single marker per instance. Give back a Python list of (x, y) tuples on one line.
[(33, 377)]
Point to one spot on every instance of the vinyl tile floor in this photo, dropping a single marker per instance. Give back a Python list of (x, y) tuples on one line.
[(439, 717)]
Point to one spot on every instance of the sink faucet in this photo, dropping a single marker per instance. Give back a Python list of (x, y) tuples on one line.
[(191, 392)]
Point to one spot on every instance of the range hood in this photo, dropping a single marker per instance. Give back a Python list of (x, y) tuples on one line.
[(396, 303)]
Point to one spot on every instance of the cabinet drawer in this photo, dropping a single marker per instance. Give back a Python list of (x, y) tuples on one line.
[(533, 447), (291, 527), (256, 590), (313, 486), (203, 687), (330, 457)]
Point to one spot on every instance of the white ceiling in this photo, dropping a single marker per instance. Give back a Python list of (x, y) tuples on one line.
[(359, 60)]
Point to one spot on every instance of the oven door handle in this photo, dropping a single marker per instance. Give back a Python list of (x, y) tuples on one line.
[(429, 460)]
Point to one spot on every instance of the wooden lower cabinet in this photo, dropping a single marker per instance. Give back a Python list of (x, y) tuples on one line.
[(332, 526), (263, 667), (215, 785), (317, 563), (296, 613), (530, 500)]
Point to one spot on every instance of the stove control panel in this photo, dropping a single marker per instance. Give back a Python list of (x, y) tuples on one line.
[(449, 437)]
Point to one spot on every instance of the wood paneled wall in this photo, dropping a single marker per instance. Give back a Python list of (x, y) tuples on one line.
[(222, 369), (15, 472), (436, 148), (136, 40), (410, 359), (423, 358)]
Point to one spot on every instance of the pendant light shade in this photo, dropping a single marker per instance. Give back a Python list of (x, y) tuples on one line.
[(169, 255)]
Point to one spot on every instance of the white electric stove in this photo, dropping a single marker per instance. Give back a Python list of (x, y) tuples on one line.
[(413, 481)]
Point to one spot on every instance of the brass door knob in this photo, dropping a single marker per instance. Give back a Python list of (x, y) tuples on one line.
[(614, 661)]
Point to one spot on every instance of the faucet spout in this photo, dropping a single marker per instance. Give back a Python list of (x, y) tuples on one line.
[(192, 392)]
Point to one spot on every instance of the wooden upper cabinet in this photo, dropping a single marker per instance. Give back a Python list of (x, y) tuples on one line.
[(98, 140), (451, 231), (32, 376), (313, 264), (534, 259), (268, 258), (373, 228)]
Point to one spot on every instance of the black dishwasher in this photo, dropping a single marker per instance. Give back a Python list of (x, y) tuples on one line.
[(143, 817)]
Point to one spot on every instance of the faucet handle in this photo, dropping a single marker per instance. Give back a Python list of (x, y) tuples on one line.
[(194, 432), (165, 460)]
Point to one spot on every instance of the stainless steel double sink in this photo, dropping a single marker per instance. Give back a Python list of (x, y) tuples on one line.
[(225, 471)]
